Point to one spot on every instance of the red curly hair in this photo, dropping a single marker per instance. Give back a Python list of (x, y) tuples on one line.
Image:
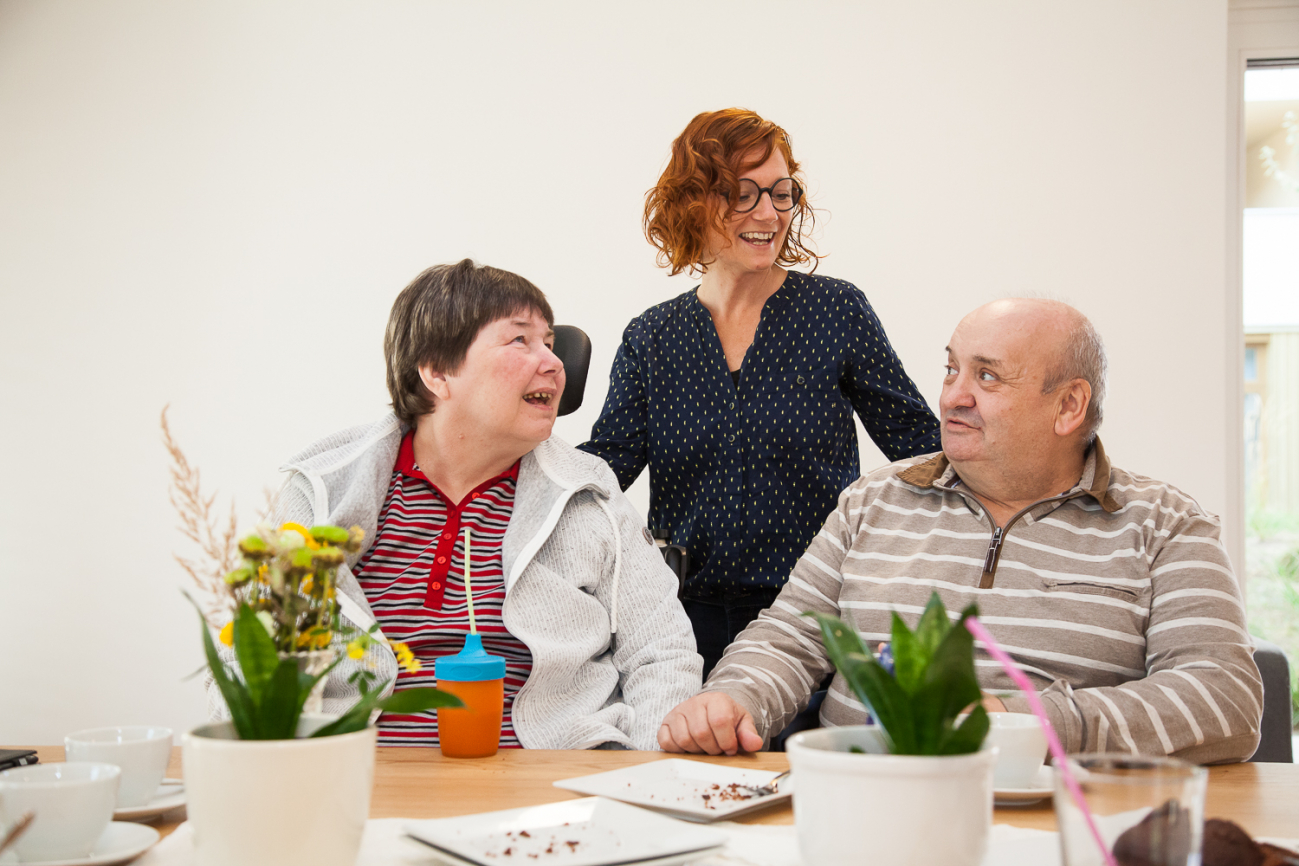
[(708, 158)]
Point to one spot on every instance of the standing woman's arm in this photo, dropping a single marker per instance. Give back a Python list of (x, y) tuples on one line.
[(890, 406), (620, 436)]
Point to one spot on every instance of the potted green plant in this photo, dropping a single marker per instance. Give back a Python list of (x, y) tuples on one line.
[(244, 777), (277, 783), (914, 787)]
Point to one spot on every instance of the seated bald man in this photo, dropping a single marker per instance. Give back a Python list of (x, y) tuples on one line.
[(1110, 589)]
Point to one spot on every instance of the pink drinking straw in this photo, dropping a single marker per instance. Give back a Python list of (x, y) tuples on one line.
[(1062, 760)]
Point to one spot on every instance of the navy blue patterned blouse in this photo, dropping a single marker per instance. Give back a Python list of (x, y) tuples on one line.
[(744, 476)]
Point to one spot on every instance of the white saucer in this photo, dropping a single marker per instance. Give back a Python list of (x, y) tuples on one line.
[(170, 795), (119, 843), (1043, 786)]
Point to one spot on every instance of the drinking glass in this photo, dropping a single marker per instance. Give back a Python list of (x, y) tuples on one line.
[(1148, 810)]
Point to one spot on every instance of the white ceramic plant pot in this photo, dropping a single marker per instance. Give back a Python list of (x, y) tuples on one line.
[(278, 802), (902, 810)]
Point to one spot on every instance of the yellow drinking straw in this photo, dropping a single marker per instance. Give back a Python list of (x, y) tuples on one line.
[(469, 586)]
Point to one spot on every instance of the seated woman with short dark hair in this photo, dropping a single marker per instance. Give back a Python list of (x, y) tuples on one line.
[(567, 587)]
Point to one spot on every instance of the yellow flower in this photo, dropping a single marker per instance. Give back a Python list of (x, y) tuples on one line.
[(308, 584), (405, 657), (355, 650), (261, 572), (227, 635), (301, 530), (314, 638)]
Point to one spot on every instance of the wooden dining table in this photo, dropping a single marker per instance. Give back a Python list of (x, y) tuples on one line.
[(420, 783)]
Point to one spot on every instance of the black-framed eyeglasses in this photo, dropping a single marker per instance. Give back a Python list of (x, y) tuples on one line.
[(784, 194)]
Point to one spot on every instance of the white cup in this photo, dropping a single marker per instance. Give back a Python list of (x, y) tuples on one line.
[(141, 751), (73, 804), (1021, 745)]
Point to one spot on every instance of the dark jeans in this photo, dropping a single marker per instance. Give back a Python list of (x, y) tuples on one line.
[(717, 622)]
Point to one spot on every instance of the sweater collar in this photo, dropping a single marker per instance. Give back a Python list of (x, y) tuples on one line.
[(563, 464), (938, 472)]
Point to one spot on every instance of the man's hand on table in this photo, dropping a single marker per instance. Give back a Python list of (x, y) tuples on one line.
[(709, 722), (993, 704)]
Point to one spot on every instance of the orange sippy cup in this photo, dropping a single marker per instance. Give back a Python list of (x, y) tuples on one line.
[(478, 679)]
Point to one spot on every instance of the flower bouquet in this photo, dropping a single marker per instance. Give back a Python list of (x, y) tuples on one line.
[(273, 596), (286, 620)]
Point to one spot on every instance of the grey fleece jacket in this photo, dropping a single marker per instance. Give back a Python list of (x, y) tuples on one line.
[(586, 589)]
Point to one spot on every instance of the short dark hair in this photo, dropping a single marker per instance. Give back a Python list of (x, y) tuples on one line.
[(438, 316)]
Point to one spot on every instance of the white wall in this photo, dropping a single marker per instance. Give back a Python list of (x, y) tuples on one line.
[(213, 205)]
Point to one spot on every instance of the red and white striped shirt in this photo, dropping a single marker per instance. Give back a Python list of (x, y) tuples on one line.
[(413, 577)]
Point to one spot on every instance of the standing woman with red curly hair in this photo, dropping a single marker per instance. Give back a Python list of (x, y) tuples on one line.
[(739, 394)]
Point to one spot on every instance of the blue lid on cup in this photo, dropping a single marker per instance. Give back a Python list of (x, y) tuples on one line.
[(471, 665)]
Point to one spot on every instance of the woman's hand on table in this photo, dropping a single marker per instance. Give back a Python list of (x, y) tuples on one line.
[(709, 722)]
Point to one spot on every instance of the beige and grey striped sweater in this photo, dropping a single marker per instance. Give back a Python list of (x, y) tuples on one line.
[(1116, 597)]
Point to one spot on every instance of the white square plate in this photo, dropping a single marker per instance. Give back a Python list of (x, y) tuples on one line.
[(686, 789), (587, 832)]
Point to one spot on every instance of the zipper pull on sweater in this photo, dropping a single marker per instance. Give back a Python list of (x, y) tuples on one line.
[(990, 561)]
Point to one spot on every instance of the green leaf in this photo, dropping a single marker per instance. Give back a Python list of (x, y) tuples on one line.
[(951, 672), (933, 627), (884, 698), (409, 701), (869, 681), (281, 702), (968, 737), (256, 653), (838, 637), (949, 686), (909, 658), (236, 696), (405, 701), (354, 719)]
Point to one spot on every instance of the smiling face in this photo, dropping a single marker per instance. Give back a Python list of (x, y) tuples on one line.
[(992, 406), (751, 241), (506, 392)]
